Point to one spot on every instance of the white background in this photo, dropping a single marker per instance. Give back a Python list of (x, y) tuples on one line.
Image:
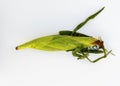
[(23, 20)]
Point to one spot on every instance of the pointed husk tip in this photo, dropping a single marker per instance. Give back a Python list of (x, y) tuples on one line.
[(17, 48), (20, 47)]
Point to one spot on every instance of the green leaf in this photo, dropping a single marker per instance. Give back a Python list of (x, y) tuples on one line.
[(89, 18)]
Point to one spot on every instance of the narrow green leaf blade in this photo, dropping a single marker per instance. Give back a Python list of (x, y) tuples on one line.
[(89, 18)]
